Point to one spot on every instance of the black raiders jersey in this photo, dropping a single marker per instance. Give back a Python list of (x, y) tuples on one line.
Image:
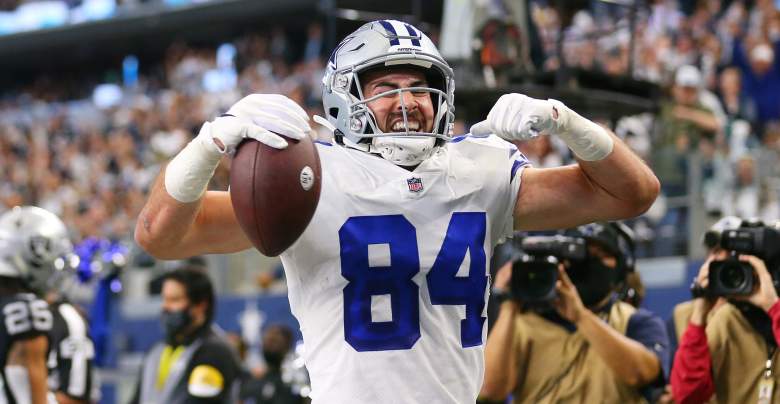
[(22, 316), (71, 355)]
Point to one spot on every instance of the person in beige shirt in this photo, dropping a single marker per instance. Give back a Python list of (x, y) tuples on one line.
[(593, 348)]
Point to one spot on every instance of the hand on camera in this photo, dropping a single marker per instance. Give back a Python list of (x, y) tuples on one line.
[(503, 278), (568, 303), (764, 295), (502, 287), (703, 305)]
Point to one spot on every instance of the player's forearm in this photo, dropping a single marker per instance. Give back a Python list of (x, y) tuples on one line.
[(691, 379), (38, 388), (625, 179), (500, 365), (168, 229), (629, 360), (33, 355), (164, 222), (63, 398)]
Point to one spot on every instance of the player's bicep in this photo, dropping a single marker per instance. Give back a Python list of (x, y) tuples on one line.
[(560, 198), (216, 229)]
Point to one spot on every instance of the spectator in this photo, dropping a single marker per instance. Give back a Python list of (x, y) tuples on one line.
[(761, 77), (747, 194), (768, 156), (271, 387), (683, 122), (736, 103)]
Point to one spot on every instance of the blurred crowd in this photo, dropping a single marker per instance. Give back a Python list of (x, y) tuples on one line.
[(719, 119), (90, 160)]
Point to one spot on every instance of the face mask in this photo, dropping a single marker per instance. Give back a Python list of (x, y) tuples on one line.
[(272, 358), (593, 280), (174, 322)]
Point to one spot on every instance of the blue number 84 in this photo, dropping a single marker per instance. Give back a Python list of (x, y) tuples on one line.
[(465, 232)]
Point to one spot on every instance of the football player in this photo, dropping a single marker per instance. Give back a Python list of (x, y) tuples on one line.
[(41, 259), (389, 280)]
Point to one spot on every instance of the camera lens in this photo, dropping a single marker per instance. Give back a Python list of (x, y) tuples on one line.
[(534, 277), (733, 277), (539, 281)]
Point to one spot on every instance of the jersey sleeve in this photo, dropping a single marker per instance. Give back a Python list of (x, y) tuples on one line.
[(517, 163), (503, 164), (26, 317), (650, 331), (75, 355)]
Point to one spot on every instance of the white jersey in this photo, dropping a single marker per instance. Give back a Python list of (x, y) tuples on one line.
[(389, 282)]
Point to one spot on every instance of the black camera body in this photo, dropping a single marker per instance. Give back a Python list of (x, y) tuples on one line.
[(535, 270), (732, 277)]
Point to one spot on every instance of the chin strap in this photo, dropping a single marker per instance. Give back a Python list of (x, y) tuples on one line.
[(404, 151), (324, 122)]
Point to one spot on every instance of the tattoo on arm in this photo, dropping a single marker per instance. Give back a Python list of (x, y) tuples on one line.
[(147, 223)]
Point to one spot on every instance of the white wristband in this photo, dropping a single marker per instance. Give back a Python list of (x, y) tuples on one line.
[(189, 173), (588, 140)]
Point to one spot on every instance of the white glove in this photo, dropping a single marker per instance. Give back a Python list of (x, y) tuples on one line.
[(519, 117), (260, 117), (256, 116)]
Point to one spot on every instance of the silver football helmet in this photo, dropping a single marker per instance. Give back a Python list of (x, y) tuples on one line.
[(387, 43), (35, 247)]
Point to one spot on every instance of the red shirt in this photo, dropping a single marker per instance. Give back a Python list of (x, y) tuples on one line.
[(692, 370)]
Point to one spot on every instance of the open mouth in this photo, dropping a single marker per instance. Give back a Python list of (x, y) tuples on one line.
[(398, 126)]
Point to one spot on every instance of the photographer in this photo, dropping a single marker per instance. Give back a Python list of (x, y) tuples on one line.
[(577, 343), (730, 354), (681, 314)]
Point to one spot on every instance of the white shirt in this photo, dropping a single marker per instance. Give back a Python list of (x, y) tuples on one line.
[(379, 325)]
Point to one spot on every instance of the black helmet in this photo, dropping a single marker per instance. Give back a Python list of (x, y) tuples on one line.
[(616, 237)]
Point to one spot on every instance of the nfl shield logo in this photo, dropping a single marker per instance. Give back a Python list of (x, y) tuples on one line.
[(415, 184)]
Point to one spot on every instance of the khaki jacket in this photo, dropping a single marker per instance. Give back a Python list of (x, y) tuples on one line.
[(557, 366)]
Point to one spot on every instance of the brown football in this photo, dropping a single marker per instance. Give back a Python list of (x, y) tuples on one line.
[(275, 192)]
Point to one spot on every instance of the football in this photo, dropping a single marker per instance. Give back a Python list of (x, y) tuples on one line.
[(275, 192)]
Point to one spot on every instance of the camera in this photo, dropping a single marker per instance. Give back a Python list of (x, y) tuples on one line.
[(535, 270), (732, 277)]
